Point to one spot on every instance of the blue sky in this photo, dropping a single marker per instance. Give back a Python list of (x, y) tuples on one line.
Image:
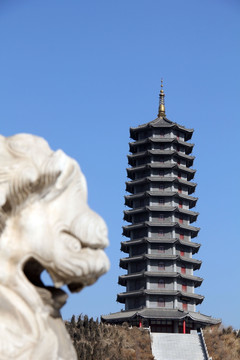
[(80, 73)]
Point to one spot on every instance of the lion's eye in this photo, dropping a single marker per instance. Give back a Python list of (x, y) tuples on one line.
[(74, 244), (71, 241)]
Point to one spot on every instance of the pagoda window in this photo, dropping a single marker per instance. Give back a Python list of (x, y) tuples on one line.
[(161, 173), (161, 266), (184, 287), (161, 201), (180, 204), (161, 187), (161, 302), (160, 233), (184, 305), (181, 236), (183, 269), (180, 220), (182, 253), (161, 284), (180, 189), (161, 217)]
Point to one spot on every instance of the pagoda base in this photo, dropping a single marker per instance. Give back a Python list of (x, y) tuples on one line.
[(162, 320)]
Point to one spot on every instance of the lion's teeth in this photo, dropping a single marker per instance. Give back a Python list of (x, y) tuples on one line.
[(58, 284)]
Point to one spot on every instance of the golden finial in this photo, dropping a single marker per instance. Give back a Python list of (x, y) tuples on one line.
[(161, 108)]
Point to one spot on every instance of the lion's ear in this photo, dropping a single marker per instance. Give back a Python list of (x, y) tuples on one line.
[(67, 168), (64, 166)]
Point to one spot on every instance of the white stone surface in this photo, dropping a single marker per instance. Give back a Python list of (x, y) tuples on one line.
[(45, 224), (177, 347)]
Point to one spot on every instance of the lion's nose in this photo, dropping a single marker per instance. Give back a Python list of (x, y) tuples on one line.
[(102, 234), (91, 229)]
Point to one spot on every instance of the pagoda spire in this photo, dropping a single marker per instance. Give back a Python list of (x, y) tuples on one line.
[(161, 108)]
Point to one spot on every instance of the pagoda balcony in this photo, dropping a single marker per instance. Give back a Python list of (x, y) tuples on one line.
[(175, 193), (175, 293), (183, 259), (161, 152), (160, 165), (153, 218), (163, 257), (160, 224), (153, 140), (167, 152), (157, 240), (192, 215), (130, 185), (149, 152), (122, 279), (160, 193)]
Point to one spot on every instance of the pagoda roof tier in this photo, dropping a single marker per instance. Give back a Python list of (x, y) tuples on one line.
[(163, 257), (176, 293), (158, 193), (188, 146), (192, 215), (161, 166), (146, 153), (159, 123), (130, 185), (157, 240), (160, 224), (122, 279), (157, 314)]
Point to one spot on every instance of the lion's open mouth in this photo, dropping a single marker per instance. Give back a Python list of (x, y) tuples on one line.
[(51, 296)]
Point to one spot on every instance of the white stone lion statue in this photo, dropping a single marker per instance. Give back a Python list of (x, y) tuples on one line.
[(45, 224)]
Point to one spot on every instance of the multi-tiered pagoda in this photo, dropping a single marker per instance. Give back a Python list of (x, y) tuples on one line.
[(160, 280)]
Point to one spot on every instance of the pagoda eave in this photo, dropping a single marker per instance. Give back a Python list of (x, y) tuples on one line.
[(160, 123), (156, 313)]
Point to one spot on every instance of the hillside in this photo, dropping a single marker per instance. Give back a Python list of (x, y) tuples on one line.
[(94, 341), (223, 344)]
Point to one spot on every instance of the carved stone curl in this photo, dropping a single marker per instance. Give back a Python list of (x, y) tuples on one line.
[(45, 224)]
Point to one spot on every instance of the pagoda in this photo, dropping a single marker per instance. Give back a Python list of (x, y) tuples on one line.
[(160, 280)]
